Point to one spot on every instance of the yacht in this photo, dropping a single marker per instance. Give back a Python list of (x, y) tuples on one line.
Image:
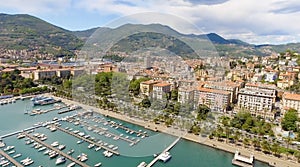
[(98, 164), (47, 152), (60, 160), (142, 164), (11, 152), (61, 147), (55, 144), (107, 153), (53, 154), (165, 156), (97, 148), (2, 144), (42, 149), (70, 152), (17, 155), (20, 136), (8, 148), (91, 146), (71, 164), (29, 142), (82, 157), (79, 141)]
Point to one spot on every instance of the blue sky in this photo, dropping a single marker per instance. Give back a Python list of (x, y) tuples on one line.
[(254, 21)]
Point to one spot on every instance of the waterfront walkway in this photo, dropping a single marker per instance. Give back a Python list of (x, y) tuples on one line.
[(165, 150), (56, 150), (17, 164), (88, 140)]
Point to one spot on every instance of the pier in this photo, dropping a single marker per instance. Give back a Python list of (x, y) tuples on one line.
[(165, 150), (112, 134), (57, 150), (87, 140), (17, 164), (69, 110)]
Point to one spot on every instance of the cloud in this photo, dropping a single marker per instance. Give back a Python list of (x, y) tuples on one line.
[(272, 19)]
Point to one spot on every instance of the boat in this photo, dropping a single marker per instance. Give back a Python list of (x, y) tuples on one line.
[(52, 129), (47, 152), (20, 136), (55, 144), (142, 164), (70, 152), (98, 164), (43, 138), (97, 148), (53, 154), (115, 148), (60, 160), (8, 148), (91, 146), (11, 152), (27, 161), (82, 157), (29, 142), (42, 149), (79, 141), (107, 153), (61, 147), (17, 155), (71, 164), (2, 144), (165, 156), (3, 162)]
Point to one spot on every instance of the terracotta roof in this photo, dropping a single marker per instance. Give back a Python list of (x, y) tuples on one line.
[(150, 82), (162, 84), (291, 96), (213, 91)]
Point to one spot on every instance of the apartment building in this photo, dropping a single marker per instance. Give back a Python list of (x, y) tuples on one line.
[(41, 74), (216, 100), (290, 100), (146, 87), (160, 90), (259, 101), (229, 86)]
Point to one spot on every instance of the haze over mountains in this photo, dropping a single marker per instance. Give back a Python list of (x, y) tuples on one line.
[(26, 32)]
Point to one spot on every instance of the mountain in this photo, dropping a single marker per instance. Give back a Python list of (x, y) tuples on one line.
[(30, 36), (21, 31)]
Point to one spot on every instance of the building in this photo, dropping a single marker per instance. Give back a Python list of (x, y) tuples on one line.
[(41, 74), (185, 95), (271, 76), (146, 87), (63, 73), (229, 86), (216, 100), (259, 101), (160, 90), (290, 100)]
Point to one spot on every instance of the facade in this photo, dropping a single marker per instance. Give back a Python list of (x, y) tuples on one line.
[(146, 88), (216, 100), (290, 100), (271, 76), (185, 96), (63, 73), (229, 86), (160, 90), (258, 101), (41, 74)]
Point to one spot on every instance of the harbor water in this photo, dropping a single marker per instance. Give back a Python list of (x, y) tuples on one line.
[(184, 153)]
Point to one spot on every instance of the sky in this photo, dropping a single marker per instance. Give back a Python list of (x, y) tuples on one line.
[(253, 21)]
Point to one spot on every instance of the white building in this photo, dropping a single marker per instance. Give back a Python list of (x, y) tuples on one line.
[(290, 100)]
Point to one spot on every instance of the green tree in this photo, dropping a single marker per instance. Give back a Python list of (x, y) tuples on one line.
[(202, 112), (146, 103), (289, 120)]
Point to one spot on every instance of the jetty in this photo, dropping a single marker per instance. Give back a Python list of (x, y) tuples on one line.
[(56, 150), (69, 109), (242, 161), (17, 164), (110, 133), (165, 150), (87, 140)]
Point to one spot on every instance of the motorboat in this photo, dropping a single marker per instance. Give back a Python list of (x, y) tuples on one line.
[(55, 144), (165, 156), (61, 147), (98, 164), (60, 160), (70, 152)]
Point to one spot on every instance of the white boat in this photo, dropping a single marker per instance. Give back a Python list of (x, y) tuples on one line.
[(42, 149), (47, 152), (60, 160), (3, 162), (17, 155), (53, 154), (61, 147), (115, 148), (107, 153), (2, 144), (165, 156), (79, 141), (43, 138), (20, 136), (11, 152), (29, 142), (82, 157), (91, 146), (8, 148), (71, 164), (142, 164), (55, 144), (70, 152), (98, 164), (97, 148)]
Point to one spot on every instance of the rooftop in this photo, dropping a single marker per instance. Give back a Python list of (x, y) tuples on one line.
[(291, 96), (201, 89)]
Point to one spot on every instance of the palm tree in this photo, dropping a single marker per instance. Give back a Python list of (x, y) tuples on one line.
[(297, 155), (275, 148), (287, 141), (256, 143)]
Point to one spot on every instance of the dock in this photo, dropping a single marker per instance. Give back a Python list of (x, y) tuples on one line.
[(165, 150), (88, 140), (57, 150), (110, 133), (69, 110), (17, 164)]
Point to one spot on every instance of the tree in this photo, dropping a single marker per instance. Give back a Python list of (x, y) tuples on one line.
[(146, 103), (202, 112), (275, 148), (289, 120), (174, 94)]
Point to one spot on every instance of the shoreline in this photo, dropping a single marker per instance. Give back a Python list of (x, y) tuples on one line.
[(230, 148)]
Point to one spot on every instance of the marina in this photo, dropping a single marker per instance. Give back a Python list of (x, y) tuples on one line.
[(128, 155), (9, 158)]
